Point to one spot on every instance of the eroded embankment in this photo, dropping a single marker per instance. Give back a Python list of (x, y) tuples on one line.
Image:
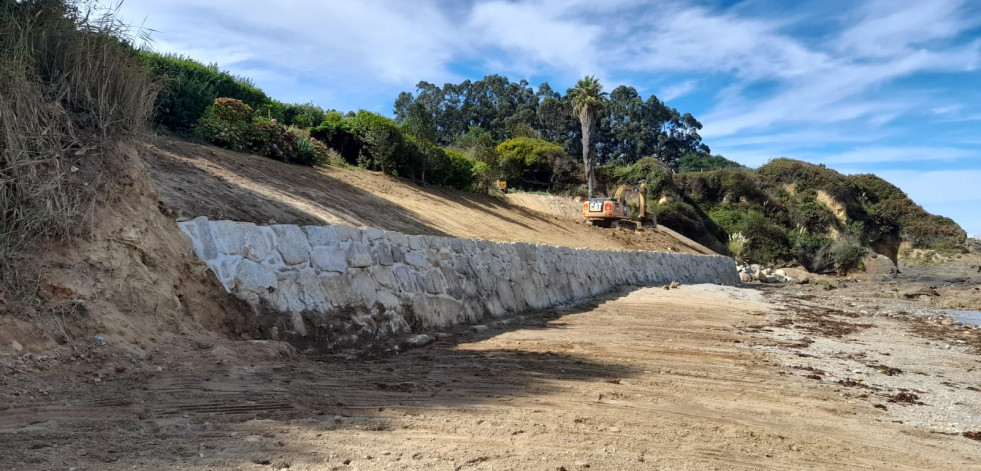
[(330, 285)]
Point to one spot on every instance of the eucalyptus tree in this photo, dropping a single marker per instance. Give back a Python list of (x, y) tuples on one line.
[(587, 102)]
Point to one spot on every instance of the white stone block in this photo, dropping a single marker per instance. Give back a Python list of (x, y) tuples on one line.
[(371, 234), (199, 230), (384, 277), (435, 282), (417, 242), (339, 292), (321, 235), (408, 280), (417, 258), (331, 258), (389, 301), (349, 234), (241, 238), (251, 276), (364, 289), (292, 244), (382, 253), (397, 239), (359, 256)]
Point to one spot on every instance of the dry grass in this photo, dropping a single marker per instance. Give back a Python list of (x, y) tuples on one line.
[(70, 89)]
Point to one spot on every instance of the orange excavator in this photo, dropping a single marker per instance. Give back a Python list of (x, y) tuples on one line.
[(608, 211)]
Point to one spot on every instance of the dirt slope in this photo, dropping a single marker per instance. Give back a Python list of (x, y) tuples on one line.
[(196, 180), (649, 379), (131, 278)]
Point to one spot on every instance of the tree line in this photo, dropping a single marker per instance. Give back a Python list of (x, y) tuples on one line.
[(627, 126)]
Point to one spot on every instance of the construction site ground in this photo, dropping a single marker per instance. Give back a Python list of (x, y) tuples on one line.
[(831, 375), (641, 379)]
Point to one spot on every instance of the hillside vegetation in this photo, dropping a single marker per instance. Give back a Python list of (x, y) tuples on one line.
[(789, 211), (467, 135)]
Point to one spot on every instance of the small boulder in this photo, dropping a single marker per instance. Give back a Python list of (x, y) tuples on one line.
[(420, 340)]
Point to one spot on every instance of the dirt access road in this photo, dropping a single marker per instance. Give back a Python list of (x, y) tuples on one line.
[(641, 379)]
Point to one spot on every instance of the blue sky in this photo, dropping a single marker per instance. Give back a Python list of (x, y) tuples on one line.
[(891, 87)]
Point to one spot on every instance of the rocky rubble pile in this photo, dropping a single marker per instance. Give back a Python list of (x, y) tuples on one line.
[(749, 273)]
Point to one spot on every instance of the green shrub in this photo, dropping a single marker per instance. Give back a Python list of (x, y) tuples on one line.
[(721, 186), (529, 162), (804, 246), (321, 150), (767, 241), (304, 116), (892, 213), (338, 133), (232, 110), (478, 144), (309, 151), (482, 175), (432, 160), (692, 223), (705, 162), (764, 241), (655, 173), (189, 87), (737, 244), (460, 173), (730, 218), (272, 140), (812, 216), (226, 123), (842, 255), (383, 146)]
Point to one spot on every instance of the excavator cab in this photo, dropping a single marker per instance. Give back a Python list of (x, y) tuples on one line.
[(609, 211), (604, 212)]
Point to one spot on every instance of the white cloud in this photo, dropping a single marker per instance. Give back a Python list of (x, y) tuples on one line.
[(340, 44), (677, 91), (808, 138), (892, 27), (679, 38), (838, 94), (536, 36)]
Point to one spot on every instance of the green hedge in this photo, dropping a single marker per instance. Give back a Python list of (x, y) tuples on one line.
[(189, 87)]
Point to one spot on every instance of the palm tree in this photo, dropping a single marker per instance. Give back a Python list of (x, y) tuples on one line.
[(587, 103)]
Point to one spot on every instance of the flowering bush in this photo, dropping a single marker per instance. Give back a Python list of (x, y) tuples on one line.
[(268, 139), (232, 110), (222, 132)]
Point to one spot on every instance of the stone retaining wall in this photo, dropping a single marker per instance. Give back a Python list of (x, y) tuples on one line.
[(336, 284)]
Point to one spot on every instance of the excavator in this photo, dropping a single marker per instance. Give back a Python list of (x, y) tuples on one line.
[(609, 211)]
